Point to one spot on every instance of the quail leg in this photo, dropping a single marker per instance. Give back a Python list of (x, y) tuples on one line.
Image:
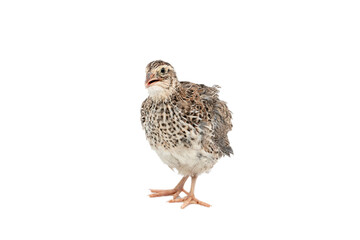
[(190, 198), (174, 192)]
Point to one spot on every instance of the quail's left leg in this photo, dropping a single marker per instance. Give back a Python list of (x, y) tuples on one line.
[(175, 192), (190, 198)]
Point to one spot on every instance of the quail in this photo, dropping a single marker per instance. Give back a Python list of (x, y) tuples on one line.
[(187, 126)]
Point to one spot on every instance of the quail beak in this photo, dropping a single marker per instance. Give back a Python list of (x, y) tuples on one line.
[(150, 79)]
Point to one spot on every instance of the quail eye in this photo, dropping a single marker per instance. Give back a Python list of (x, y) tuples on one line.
[(162, 70)]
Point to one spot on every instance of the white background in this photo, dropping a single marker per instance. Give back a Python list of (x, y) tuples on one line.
[(74, 162)]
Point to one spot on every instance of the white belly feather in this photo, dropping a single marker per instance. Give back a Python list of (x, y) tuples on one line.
[(187, 161)]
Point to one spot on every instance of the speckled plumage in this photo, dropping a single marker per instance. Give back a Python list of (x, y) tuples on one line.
[(185, 123)]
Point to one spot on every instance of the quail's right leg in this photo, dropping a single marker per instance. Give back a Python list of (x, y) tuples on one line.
[(174, 192)]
